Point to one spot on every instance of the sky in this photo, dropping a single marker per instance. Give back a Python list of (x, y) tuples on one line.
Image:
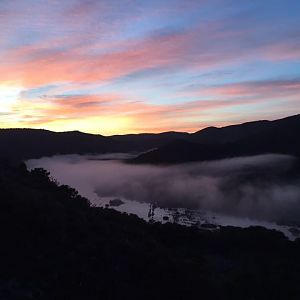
[(131, 66)]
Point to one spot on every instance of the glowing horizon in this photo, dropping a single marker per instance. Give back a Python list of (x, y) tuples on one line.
[(117, 67)]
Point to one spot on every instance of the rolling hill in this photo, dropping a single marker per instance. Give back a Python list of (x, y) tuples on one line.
[(279, 136)]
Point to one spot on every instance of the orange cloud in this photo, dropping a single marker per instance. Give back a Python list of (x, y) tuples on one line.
[(111, 114)]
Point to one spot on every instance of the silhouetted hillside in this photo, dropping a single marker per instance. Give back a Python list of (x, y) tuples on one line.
[(229, 134), (55, 246), (34, 143), (280, 136), (181, 151), (146, 141)]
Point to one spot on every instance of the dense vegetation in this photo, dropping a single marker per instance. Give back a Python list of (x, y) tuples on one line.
[(54, 245)]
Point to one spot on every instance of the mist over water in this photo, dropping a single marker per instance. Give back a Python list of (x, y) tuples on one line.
[(257, 187)]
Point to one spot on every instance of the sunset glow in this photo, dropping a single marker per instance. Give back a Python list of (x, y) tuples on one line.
[(9, 94), (113, 67)]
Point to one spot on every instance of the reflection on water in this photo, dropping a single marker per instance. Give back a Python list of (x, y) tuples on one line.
[(188, 217)]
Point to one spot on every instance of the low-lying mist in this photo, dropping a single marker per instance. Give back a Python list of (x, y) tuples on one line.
[(265, 187)]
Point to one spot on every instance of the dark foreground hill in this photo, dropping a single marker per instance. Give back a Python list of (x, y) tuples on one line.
[(54, 245), (280, 136)]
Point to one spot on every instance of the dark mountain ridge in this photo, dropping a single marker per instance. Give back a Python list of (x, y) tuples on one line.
[(262, 137), (279, 136), (34, 143), (146, 141), (228, 134)]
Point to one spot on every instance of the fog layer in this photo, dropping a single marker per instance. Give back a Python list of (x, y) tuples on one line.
[(264, 187)]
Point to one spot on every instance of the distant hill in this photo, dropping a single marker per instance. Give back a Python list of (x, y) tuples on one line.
[(181, 151), (146, 141), (280, 136), (34, 143), (228, 134)]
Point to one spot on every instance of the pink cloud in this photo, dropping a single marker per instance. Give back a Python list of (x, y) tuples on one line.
[(36, 66), (252, 91), (82, 58), (143, 116)]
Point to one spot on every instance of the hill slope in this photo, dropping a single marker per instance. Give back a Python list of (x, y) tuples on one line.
[(146, 141), (280, 136), (34, 143)]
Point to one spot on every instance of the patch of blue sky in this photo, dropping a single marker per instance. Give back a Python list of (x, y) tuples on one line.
[(251, 71), (265, 70), (40, 91), (157, 86), (288, 9), (263, 110)]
